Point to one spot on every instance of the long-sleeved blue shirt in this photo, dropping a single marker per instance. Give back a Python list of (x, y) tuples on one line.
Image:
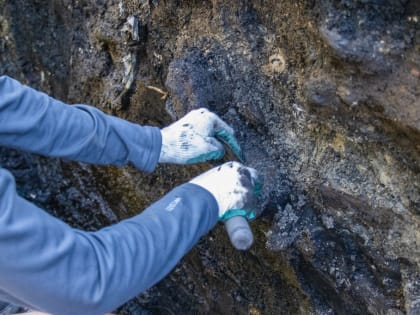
[(69, 271)]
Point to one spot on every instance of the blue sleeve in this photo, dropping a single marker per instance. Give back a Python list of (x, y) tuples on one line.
[(34, 122), (47, 265)]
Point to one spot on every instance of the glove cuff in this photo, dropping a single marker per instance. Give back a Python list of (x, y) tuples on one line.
[(249, 215)]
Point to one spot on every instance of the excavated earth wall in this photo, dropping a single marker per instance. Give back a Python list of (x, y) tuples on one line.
[(324, 96)]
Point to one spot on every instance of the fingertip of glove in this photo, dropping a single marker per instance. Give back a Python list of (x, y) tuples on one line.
[(258, 184), (230, 140), (214, 155)]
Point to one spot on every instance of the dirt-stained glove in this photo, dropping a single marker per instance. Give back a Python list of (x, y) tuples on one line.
[(196, 138), (235, 188)]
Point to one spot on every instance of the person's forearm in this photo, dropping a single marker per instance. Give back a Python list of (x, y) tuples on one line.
[(46, 265), (32, 121)]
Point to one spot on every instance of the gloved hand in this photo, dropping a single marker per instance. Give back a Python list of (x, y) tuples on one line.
[(195, 138), (235, 188)]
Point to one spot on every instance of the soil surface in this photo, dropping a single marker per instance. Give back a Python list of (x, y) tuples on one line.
[(325, 100)]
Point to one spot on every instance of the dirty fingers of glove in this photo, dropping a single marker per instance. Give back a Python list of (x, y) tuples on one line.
[(195, 138), (235, 188)]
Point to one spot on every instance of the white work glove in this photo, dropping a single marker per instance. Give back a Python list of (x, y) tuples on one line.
[(235, 188), (196, 138)]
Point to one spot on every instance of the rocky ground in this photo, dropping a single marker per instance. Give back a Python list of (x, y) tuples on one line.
[(324, 96)]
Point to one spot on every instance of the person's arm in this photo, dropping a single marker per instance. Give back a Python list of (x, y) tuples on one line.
[(48, 266), (34, 122)]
